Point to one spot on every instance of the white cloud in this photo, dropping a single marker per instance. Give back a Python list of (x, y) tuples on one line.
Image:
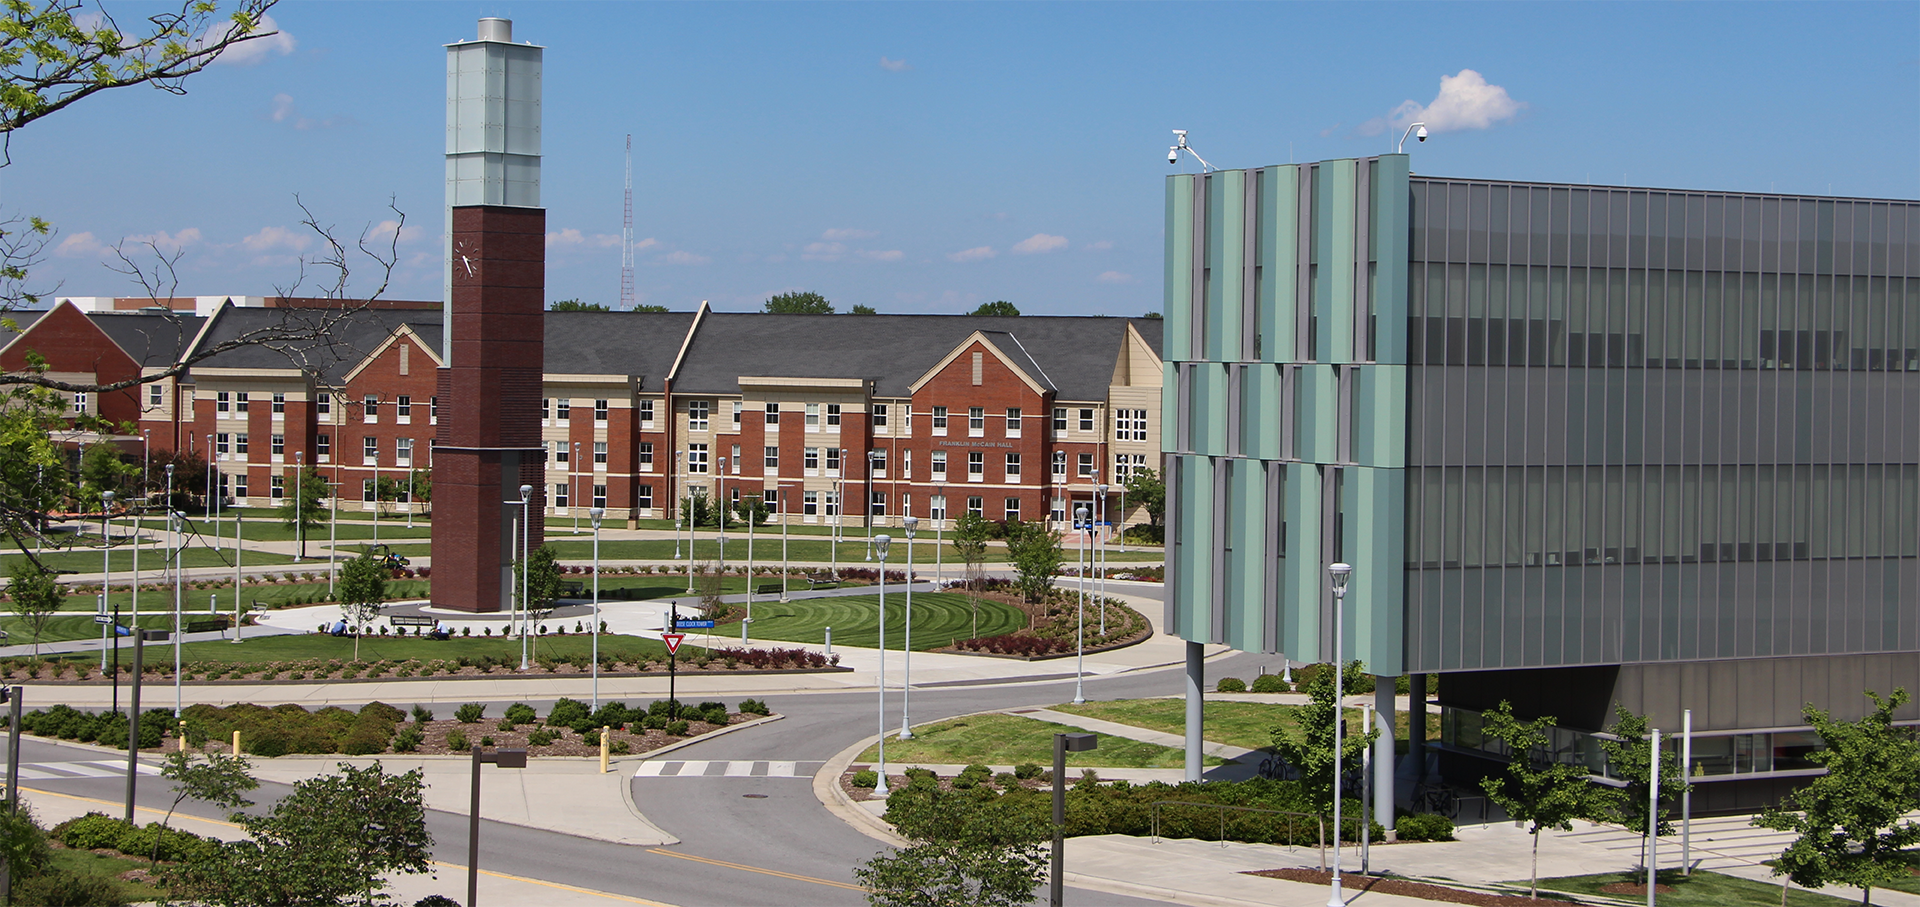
[(1101, 246), (1039, 242), (164, 241), (267, 239), (572, 237), (683, 257), (899, 65), (255, 50), (282, 107), (1114, 277), (286, 111), (976, 253), (79, 245), (882, 255), (822, 251), (838, 234), (384, 230), (1465, 101)]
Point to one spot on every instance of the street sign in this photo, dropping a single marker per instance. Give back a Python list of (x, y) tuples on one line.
[(673, 641), (693, 625), (102, 619)]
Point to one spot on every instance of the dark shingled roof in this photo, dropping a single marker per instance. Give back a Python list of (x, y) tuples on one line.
[(152, 339), (1074, 355), (615, 343), (349, 337), (22, 317)]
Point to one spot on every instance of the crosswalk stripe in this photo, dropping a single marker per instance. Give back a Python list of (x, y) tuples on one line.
[(692, 767), (119, 766), (736, 768), (30, 774), (739, 769), (83, 769), (650, 769), (782, 769), (94, 768)]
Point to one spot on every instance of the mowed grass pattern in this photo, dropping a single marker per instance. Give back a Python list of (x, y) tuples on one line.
[(939, 618), (995, 739)]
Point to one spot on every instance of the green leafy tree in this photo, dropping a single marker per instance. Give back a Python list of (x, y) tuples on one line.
[(103, 468), (539, 575), (33, 470), (970, 534), (363, 589), (1145, 489), (420, 485), (1035, 551), (1534, 789), (799, 302), (221, 779), (1154, 315), (330, 841), (1310, 750), (653, 309), (753, 511), (1851, 822), (34, 597), (962, 854), (999, 307), (1629, 759), (575, 305), (302, 506), (695, 510), (862, 310)]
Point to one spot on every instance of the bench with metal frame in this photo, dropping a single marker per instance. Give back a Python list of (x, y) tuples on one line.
[(820, 580), (411, 620)]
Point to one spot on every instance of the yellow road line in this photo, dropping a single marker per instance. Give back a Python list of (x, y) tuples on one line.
[(119, 804), (745, 868)]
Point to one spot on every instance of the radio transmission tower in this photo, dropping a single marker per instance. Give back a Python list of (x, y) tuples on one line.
[(626, 237)]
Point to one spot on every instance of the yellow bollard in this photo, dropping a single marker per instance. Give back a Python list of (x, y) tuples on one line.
[(181, 736), (236, 743), (606, 734)]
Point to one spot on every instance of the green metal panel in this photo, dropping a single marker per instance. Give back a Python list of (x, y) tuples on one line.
[(1391, 209), (1334, 195), (1376, 541), (1380, 415), (1279, 248), (1316, 406), (1193, 593), (1260, 430), (1179, 268), (1245, 566), (1226, 251), (1211, 408), (1302, 581), (1170, 408)]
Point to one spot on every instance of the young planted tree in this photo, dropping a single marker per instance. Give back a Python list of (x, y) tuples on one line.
[(221, 779), (970, 534), (1310, 751), (35, 597), (1536, 789), (1629, 759), (1035, 552), (363, 589), (103, 468), (539, 576), (302, 508), (1851, 822), (1147, 490)]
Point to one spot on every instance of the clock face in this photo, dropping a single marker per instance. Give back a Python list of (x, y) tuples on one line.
[(466, 254)]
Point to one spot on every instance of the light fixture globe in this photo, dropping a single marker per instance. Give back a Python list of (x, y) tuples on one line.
[(1339, 573), (106, 498), (526, 493), (595, 514), (880, 544), (910, 523)]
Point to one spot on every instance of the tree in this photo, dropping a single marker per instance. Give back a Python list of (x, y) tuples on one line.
[(35, 597), (862, 310), (363, 589), (970, 534), (694, 506), (1535, 789), (1850, 821), (1310, 752), (302, 505), (963, 853), (33, 469), (575, 305), (1154, 315), (329, 841), (999, 307), (419, 487), (753, 511), (1146, 489), (654, 309), (1035, 552), (799, 302), (102, 468), (1629, 759), (221, 779), (540, 574)]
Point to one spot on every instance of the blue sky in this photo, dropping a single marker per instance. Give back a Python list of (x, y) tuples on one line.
[(927, 157)]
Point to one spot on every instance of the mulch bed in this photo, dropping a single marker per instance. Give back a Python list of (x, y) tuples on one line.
[(896, 782), (88, 673), (1411, 889), (1633, 888), (565, 743), (1038, 617)]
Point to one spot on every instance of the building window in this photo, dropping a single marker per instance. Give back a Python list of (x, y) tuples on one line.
[(1127, 466), (239, 444), (240, 401), (1086, 465), (560, 494), (277, 445), (599, 451), (646, 413), (1131, 425), (403, 451), (240, 484), (736, 413), (976, 466), (323, 404), (370, 408), (906, 464), (600, 496), (878, 413), (221, 444), (811, 460), (1059, 418), (563, 409), (222, 402), (403, 409), (833, 414), (1086, 420), (1013, 422), (734, 462), (1013, 510), (770, 458), (877, 459), (877, 505), (813, 417), (323, 445), (646, 497), (939, 420), (1013, 467), (366, 490), (976, 506), (646, 456), (599, 410), (697, 415), (940, 465), (936, 506), (279, 404), (1057, 511), (773, 415), (546, 409), (433, 409), (80, 401), (833, 461), (370, 449), (276, 487), (697, 459), (976, 421), (833, 503), (1060, 464), (810, 503)]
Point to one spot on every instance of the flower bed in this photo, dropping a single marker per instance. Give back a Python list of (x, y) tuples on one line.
[(1053, 626), (714, 661)]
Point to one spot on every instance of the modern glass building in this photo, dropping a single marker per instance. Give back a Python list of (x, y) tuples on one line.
[(1583, 445)]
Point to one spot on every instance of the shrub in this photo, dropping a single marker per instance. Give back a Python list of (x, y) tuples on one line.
[(457, 740), (521, 713), (591, 738), (1423, 827), (1230, 685), (1026, 771), (566, 713), (93, 830), (486, 741), (754, 707), (1006, 779), (715, 715), (506, 724), (866, 778), (677, 728), (620, 748), (422, 714), (408, 739), (1269, 683), (664, 707), (540, 737)]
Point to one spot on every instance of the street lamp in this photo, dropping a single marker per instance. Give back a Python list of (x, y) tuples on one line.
[(178, 523), (1100, 505), (785, 520), (595, 514), (906, 650), (141, 638), (1062, 745), (503, 758), (1338, 573), (106, 569), (881, 542), (526, 575), (753, 514), (299, 500), (573, 487), (1080, 628), (676, 512)]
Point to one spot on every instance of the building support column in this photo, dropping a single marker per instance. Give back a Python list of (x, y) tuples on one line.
[(1417, 726), (1383, 765), (1196, 685)]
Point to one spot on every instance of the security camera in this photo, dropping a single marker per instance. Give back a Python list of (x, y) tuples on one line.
[(1173, 155), (1422, 134)]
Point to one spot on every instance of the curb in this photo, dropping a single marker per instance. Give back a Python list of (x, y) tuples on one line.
[(826, 787), (436, 678), (642, 757)]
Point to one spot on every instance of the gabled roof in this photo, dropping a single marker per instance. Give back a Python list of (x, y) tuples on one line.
[(641, 344), (335, 344), (1073, 354), (22, 317), (154, 340)]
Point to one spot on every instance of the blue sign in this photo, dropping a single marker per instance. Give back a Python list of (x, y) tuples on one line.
[(693, 625)]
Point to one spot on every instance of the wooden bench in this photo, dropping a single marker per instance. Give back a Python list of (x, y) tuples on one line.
[(411, 620), (208, 625), (819, 580)]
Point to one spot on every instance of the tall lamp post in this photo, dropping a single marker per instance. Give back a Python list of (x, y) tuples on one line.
[(300, 500), (177, 520), (1100, 569), (1080, 627), (785, 519), (880, 543), (677, 508), (1338, 573), (573, 487), (910, 523), (106, 570), (503, 758), (1062, 745), (594, 515)]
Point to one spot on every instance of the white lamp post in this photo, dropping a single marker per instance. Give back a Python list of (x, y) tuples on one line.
[(573, 487), (1338, 573), (526, 575), (595, 514), (177, 521), (376, 498), (753, 514), (676, 507), (106, 571), (333, 528), (1100, 570), (784, 521), (720, 518), (881, 542), (906, 650), (299, 500), (940, 542), (1080, 627)]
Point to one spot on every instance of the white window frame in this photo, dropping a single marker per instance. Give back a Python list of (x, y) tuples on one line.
[(939, 421), (403, 452), (323, 448), (698, 414), (833, 415), (600, 408), (222, 404), (646, 456), (1086, 466), (772, 416), (1013, 421), (403, 409), (563, 409), (877, 415), (810, 461), (832, 461), (1086, 419), (370, 409), (1013, 467), (939, 465), (279, 404), (813, 417), (976, 466), (697, 459), (1060, 464), (976, 421), (599, 456), (561, 497)]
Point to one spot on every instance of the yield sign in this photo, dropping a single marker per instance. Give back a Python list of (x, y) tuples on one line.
[(673, 641)]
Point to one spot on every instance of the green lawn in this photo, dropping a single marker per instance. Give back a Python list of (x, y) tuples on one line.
[(1701, 889), (375, 648), (266, 527), (86, 862), (766, 549), (152, 560), (938, 619), (1011, 740), (1248, 724)]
